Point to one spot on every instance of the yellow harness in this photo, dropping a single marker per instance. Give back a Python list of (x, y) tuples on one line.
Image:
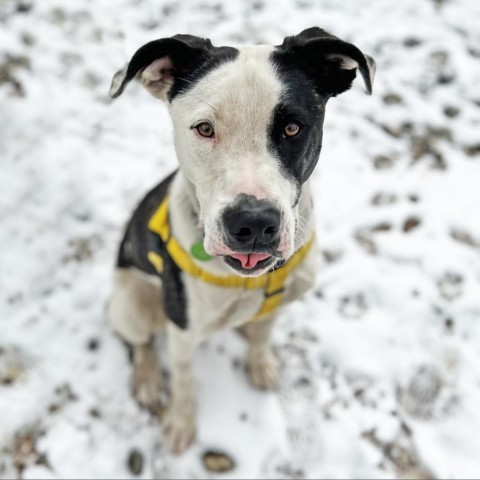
[(273, 282)]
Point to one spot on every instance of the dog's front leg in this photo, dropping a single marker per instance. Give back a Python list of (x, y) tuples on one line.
[(180, 422), (261, 361)]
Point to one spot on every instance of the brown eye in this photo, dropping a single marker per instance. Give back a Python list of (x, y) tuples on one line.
[(205, 130), (291, 129)]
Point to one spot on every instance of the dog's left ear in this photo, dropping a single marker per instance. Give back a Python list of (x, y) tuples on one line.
[(159, 63), (332, 62)]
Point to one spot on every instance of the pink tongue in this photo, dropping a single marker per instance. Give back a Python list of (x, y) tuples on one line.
[(249, 260)]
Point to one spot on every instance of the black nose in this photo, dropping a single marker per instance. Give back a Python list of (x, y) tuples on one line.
[(252, 225)]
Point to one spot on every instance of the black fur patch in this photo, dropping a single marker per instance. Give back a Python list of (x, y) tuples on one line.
[(310, 67), (302, 105), (316, 52), (213, 58), (139, 240), (192, 58), (174, 297)]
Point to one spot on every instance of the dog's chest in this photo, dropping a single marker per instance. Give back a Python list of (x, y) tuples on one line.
[(211, 307)]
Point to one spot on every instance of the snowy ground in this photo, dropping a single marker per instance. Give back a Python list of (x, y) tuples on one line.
[(381, 363)]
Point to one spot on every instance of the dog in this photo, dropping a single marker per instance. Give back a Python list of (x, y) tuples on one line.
[(227, 239)]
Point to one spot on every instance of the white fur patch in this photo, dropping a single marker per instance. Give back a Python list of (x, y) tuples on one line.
[(238, 99)]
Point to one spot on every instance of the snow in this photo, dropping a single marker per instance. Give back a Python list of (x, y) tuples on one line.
[(380, 362)]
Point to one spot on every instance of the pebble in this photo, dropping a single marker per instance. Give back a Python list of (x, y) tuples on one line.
[(392, 99), (135, 462), (410, 224), (218, 462), (382, 162), (450, 111)]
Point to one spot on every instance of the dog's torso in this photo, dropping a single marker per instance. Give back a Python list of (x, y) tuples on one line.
[(195, 302)]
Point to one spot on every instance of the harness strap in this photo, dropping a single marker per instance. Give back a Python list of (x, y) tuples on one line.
[(273, 282)]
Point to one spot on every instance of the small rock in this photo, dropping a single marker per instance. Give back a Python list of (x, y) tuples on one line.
[(95, 413), (425, 384), (410, 224), (450, 285), (383, 198), (58, 16), (331, 256), (420, 146), (411, 42), (303, 382), (364, 239), (217, 462), (440, 133), (13, 365), (381, 227), (465, 237), (425, 144), (449, 324), (474, 52), (398, 131), (420, 395), (472, 150), (445, 78), (237, 363), (450, 111), (392, 99), (257, 5), (28, 39), (382, 162), (439, 57), (135, 462), (93, 344), (353, 306), (25, 449), (24, 6)]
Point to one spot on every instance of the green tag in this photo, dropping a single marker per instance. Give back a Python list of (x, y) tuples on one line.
[(199, 252)]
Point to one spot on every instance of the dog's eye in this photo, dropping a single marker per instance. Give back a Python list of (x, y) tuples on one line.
[(205, 130), (291, 129)]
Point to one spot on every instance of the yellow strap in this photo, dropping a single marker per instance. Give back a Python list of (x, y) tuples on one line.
[(273, 281), (156, 260), (158, 223), (269, 305)]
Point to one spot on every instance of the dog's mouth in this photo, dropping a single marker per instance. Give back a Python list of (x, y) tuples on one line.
[(249, 263), (250, 260)]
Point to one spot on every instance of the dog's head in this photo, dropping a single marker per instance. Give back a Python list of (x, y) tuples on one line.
[(248, 131)]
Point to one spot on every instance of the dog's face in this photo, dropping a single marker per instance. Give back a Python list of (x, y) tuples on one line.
[(248, 131)]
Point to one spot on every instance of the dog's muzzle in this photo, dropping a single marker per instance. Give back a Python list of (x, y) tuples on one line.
[(252, 230)]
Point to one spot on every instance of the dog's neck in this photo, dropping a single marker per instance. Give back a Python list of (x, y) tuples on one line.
[(187, 229)]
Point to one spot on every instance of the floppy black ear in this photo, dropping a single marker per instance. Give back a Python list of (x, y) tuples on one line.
[(157, 64), (332, 62)]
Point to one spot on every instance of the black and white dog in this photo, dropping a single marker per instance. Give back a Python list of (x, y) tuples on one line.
[(227, 239)]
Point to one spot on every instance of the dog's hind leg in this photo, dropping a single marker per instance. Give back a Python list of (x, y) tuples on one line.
[(261, 362), (136, 314)]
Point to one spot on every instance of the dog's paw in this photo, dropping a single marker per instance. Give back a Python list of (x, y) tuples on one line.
[(179, 428), (263, 371), (147, 389)]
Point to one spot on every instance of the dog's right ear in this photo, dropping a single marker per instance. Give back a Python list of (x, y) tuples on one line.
[(157, 64)]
